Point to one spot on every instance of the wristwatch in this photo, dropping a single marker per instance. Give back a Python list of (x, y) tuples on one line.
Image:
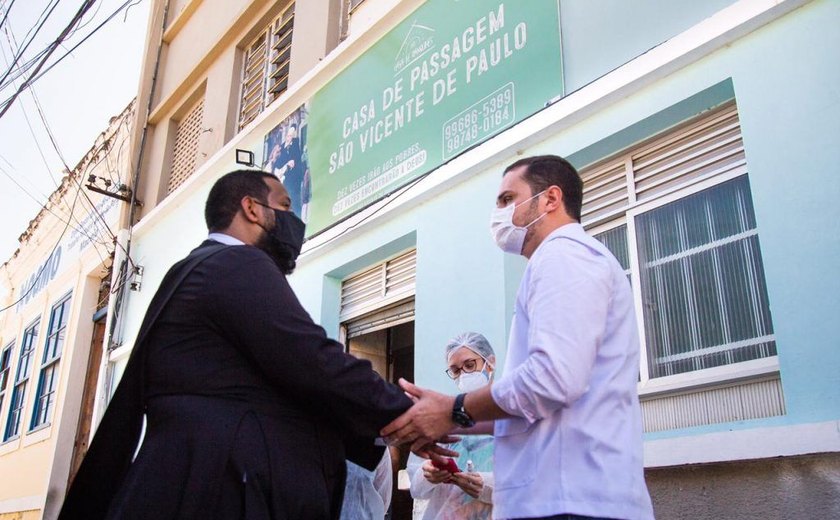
[(460, 415)]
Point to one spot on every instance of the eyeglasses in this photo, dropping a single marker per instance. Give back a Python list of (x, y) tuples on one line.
[(470, 365)]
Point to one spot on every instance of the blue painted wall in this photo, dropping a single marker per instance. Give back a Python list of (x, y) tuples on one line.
[(600, 35), (788, 93)]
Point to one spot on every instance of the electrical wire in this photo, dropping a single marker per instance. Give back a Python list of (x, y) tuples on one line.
[(39, 24), (60, 219), (5, 16), (41, 270), (71, 216), (10, 38), (38, 74), (6, 105)]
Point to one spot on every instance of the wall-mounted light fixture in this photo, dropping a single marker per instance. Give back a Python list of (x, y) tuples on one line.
[(245, 157)]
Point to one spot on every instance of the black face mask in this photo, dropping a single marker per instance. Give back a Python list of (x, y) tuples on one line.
[(283, 242)]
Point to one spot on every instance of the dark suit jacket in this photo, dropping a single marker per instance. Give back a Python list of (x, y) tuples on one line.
[(249, 405)]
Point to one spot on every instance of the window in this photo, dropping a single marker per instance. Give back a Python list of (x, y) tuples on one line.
[(5, 363), (48, 378), (185, 149), (24, 367), (265, 68), (679, 211)]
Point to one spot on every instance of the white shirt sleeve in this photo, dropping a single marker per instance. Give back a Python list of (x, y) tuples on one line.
[(486, 493), (567, 302), (420, 487)]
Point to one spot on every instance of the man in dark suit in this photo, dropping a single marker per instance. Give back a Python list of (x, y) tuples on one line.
[(250, 408)]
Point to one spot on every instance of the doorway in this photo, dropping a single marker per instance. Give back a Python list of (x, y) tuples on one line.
[(391, 352)]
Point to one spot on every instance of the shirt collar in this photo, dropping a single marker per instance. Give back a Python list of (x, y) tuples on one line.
[(572, 230), (225, 239)]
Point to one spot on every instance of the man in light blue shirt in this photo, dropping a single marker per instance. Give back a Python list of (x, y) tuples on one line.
[(568, 426)]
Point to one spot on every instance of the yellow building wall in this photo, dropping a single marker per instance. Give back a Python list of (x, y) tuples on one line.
[(34, 514)]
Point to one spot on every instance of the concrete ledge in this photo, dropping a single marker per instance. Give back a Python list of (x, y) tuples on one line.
[(755, 443)]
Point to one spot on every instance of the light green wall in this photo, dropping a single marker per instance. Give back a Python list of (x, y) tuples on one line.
[(600, 35), (785, 81)]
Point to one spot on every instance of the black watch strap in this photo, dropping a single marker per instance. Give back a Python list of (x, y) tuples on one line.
[(459, 414)]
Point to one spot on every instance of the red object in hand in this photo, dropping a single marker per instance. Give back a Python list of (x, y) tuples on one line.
[(450, 465)]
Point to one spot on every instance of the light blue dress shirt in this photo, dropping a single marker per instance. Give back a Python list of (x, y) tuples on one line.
[(574, 444)]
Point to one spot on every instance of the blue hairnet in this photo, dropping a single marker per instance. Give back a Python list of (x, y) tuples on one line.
[(473, 341)]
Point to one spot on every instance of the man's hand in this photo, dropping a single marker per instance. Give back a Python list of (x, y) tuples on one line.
[(435, 475), (431, 450), (428, 419), (471, 483)]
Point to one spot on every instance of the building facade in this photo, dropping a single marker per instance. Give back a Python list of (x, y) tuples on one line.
[(55, 292), (704, 132)]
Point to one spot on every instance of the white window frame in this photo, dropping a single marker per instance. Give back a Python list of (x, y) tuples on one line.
[(5, 373), (707, 376), (50, 362), (22, 382)]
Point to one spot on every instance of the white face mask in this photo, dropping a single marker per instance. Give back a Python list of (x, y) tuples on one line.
[(469, 382), (509, 237)]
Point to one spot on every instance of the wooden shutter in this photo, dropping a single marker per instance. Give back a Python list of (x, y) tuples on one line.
[(186, 146), (281, 53), (252, 100), (265, 71)]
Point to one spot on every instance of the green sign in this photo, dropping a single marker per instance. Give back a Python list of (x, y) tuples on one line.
[(451, 75)]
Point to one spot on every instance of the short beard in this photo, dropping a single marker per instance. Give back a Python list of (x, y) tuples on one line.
[(280, 253), (529, 218)]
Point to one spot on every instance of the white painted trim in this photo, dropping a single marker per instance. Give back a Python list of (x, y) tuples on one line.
[(120, 353), (754, 443), (40, 434), (15, 505), (711, 34), (709, 377), (10, 445)]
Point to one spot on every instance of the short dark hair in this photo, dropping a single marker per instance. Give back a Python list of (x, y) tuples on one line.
[(226, 194), (544, 171)]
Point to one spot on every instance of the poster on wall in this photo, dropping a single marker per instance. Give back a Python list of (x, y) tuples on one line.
[(285, 155), (451, 75)]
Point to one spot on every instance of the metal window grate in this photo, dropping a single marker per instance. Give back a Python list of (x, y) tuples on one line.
[(605, 191), (379, 286), (740, 402), (708, 146), (265, 71), (186, 146), (703, 295)]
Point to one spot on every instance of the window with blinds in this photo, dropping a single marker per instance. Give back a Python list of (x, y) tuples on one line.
[(5, 367), (265, 68), (185, 149), (380, 288), (45, 392), (24, 368), (700, 275)]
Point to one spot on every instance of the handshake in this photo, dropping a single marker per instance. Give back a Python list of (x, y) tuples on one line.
[(424, 425)]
